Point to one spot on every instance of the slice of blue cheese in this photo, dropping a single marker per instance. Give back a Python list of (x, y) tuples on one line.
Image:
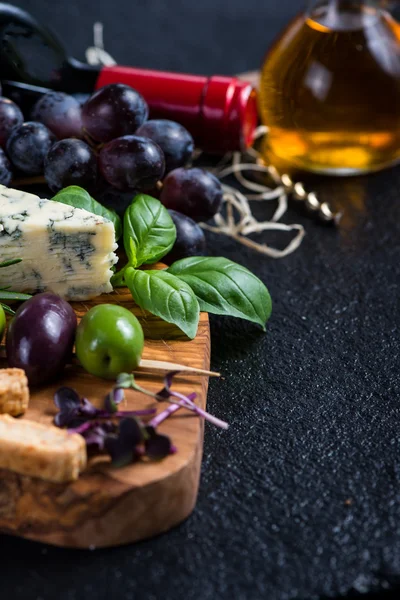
[(65, 250)]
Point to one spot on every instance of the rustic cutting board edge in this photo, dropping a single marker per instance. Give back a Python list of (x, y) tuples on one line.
[(131, 512)]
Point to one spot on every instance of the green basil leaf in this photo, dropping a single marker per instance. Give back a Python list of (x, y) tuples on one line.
[(77, 197), (7, 309), (223, 287), (8, 263), (165, 296), (149, 232), (5, 295)]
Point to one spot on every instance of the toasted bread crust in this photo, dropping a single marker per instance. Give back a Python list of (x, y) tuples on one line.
[(14, 392), (42, 451)]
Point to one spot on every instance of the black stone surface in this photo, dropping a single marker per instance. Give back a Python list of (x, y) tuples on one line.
[(300, 499)]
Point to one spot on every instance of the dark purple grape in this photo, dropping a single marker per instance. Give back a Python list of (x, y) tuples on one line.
[(113, 111), (190, 239), (80, 97), (28, 146), (131, 162), (70, 162), (61, 113), (10, 117), (196, 193), (154, 191), (41, 336), (115, 199), (5, 169), (174, 140)]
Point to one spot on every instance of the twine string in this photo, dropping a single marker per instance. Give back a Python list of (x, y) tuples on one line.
[(240, 222)]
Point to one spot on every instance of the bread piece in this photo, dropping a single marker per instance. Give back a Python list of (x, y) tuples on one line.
[(43, 451), (14, 392)]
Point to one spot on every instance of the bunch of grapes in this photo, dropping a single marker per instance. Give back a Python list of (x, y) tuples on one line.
[(105, 144)]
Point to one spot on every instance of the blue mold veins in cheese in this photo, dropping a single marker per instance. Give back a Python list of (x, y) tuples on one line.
[(65, 250)]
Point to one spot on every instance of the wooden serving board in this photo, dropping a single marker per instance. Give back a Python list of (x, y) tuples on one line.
[(109, 506)]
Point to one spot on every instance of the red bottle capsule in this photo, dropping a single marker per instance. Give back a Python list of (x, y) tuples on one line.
[(220, 112)]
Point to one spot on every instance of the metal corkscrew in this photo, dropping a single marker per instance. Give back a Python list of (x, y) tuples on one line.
[(322, 210)]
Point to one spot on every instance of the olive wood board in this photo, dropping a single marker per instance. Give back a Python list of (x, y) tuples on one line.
[(110, 506)]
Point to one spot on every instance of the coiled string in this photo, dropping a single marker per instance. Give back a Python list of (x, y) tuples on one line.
[(238, 221)]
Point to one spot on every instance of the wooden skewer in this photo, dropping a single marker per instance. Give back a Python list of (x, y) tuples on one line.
[(161, 365), (151, 366)]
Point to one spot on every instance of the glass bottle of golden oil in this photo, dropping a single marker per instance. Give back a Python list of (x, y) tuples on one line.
[(330, 89)]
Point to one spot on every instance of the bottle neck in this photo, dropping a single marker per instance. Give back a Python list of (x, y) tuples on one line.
[(346, 5), (219, 112), (344, 14)]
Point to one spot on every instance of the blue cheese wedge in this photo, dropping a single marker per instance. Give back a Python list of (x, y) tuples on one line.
[(65, 250)]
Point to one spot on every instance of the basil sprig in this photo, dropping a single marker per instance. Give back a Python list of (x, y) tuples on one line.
[(215, 285), (77, 197), (177, 294)]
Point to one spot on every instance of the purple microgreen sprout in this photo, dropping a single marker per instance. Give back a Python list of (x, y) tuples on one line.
[(113, 398), (127, 380), (124, 380), (96, 438), (130, 439), (88, 409), (168, 380), (95, 432), (167, 393), (74, 410), (157, 446), (122, 446), (167, 412), (82, 429), (202, 413), (68, 402)]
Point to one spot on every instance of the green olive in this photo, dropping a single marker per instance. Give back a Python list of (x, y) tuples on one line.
[(109, 341)]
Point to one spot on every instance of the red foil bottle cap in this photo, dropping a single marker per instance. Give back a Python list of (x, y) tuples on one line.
[(220, 112)]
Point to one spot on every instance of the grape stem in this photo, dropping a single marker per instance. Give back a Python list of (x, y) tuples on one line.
[(21, 181), (95, 146)]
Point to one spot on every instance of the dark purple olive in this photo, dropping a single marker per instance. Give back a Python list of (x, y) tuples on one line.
[(41, 336)]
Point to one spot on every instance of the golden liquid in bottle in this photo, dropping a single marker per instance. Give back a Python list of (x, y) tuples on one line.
[(330, 92)]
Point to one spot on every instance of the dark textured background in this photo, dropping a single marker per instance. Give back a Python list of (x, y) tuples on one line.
[(300, 498)]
